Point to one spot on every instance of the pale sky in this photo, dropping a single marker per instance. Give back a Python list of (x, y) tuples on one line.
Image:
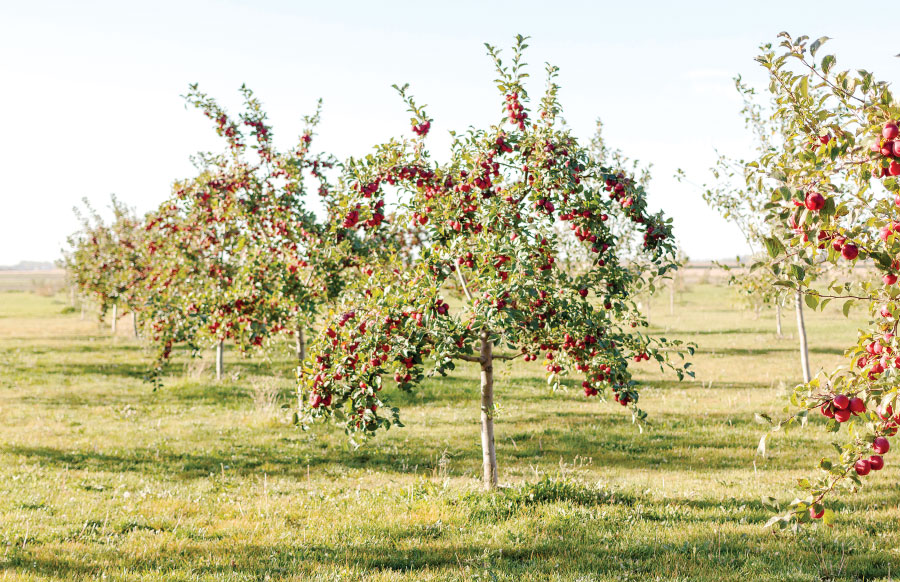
[(91, 90)]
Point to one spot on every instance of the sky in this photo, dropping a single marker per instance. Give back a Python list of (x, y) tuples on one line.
[(91, 91)]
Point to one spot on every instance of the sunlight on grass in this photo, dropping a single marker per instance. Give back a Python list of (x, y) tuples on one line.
[(101, 476)]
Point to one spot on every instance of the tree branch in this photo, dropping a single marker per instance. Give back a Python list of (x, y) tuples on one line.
[(462, 281), (506, 357), (469, 358)]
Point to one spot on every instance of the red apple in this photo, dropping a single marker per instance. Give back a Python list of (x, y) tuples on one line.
[(889, 279), (890, 130), (881, 445), (894, 169), (841, 401), (842, 415), (814, 201), (876, 462), (850, 251), (857, 405), (816, 511), (862, 467)]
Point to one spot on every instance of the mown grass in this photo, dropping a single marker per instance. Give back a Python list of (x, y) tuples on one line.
[(100, 477)]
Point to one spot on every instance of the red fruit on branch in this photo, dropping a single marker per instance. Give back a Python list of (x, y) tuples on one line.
[(841, 401), (857, 405), (862, 467), (890, 130), (814, 201), (850, 251), (842, 415), (881, 445), (876, 462)]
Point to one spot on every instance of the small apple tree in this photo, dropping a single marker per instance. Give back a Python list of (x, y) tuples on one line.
[(842, 152), (237, 253), (741, 194), (489, 213), (105, 261)]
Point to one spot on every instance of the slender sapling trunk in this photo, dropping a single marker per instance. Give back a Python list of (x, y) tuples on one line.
[(488, 449), (115, 318), (301, 345), (801, 331), (220, 359), (778, 318)]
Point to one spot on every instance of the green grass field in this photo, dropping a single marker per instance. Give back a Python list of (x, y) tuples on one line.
[(102, 478)]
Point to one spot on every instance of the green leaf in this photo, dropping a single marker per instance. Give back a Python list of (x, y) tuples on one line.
[(774, 246), (846, 308), (829, 517), (811, 300), (816, 45)]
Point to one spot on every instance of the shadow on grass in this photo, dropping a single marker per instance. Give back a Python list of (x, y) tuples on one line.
[(571, 546)]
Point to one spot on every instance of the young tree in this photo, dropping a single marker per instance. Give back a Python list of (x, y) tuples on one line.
[(490, 213), (106, 262), (841, 156), (237, 252), (741, 194)]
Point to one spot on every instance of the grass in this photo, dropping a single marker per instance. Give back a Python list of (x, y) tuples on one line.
[(100, 477)]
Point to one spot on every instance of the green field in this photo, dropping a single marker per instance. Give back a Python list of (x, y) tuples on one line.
[(102, 478)]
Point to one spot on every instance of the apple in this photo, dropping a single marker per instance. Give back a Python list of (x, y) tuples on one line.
[(814, 201), (857, 405), (862, 467), (842, 415), (841, 401), (894, 169), (876, 462), (816, 511), (890, 130), (881, 445), (850, 251), (889, 279)]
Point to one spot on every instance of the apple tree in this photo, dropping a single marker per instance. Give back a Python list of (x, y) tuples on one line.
[(238, 253), (489, 215), (105, 262), (842, 153), (741, 193)]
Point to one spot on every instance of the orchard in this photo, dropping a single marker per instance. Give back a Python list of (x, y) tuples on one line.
[(466, 341)]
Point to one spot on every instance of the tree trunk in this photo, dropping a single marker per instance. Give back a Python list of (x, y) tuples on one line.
[(301, 345), (801, 331), (488, 450), (220, 359), (778, 318), (115, 318), (134, 324), (672, 297)]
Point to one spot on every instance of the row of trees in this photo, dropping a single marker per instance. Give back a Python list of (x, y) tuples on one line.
[(470, 264), (821, 195)]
